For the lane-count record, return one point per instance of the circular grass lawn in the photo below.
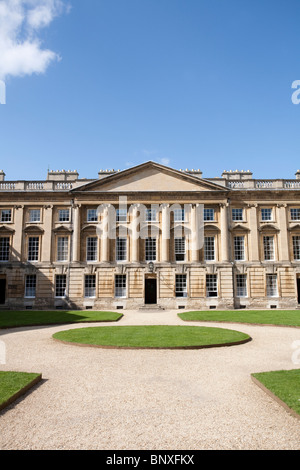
(152, 336)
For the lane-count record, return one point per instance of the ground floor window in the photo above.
(296, 247)
(180, 285)
(60, 285)
(211, 285)
(241, 285)
(120, 285)
(30, 285)
(272, 290)
(90, 285)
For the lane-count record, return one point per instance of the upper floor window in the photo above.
(62, 248)
(92, 215)
(239, 248)
(269, 250)
(179, 215)
(180, 249)
(92, 248)
(208, 214)
(295, 213)
(4, 248)
(121, 215)
(151, 215)
(150, 249)
(6, 215)
(209, 248)
(296, 247)
(266, 214)
(34, 215)
(121, 249)
(64, 215)
(237, 214)
(33, 248)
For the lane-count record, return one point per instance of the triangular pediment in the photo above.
(150, 176)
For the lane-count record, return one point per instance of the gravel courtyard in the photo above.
(93, 398)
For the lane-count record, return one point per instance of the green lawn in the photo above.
(285, 384)
(152, 336)
(11, 318)
(12, 383)
(267, 317)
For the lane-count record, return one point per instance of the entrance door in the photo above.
(150, 291)
(298, 289)
(2, 291)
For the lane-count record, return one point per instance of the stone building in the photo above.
(150, 236)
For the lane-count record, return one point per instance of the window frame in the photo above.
(60, 277)
(235, 211)
(150, 249)
(91, 249)
(269, 286)
(33, 252)
(239, 252)
(179, 249)
(121, 249)
(120, 288)
(239, 286)
(211, 285)
(181, 286)
(26, 290)
(90, 287)
(5, 249)
(61, 249)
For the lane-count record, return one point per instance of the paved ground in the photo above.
(159, 400)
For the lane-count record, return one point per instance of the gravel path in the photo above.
(94, 398)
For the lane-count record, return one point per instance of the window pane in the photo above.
(150, 249)
(209, 248)
(241, 285)
(60, 285)
(209, 214)
(120, 285)
(6, 215)
(121, 215)
(180, 249)
(266, 214)
(211, 285)
(33, 249)
(30, 285)
(92, 249)
(239, 248)
(90, 285)
(179, 215)
(92, 215)
(295, 214)
(4, 249)
(181, 286)
(237, 214)
(271, 285)
(151, 215)
(121, 249)
(62, 248)
(64, 215)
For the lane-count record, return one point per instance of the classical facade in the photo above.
(150, 236)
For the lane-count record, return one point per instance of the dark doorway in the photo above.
(150, 291)
(2, 291)
(298, 289)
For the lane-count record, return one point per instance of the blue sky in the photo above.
(188, 83)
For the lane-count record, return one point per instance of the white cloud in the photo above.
(21, 51)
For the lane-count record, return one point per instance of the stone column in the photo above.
(224, 233)
(76, 233)
(47, 238)
(165, 239)
(283, 234)
(16, 253)
(254, 239)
